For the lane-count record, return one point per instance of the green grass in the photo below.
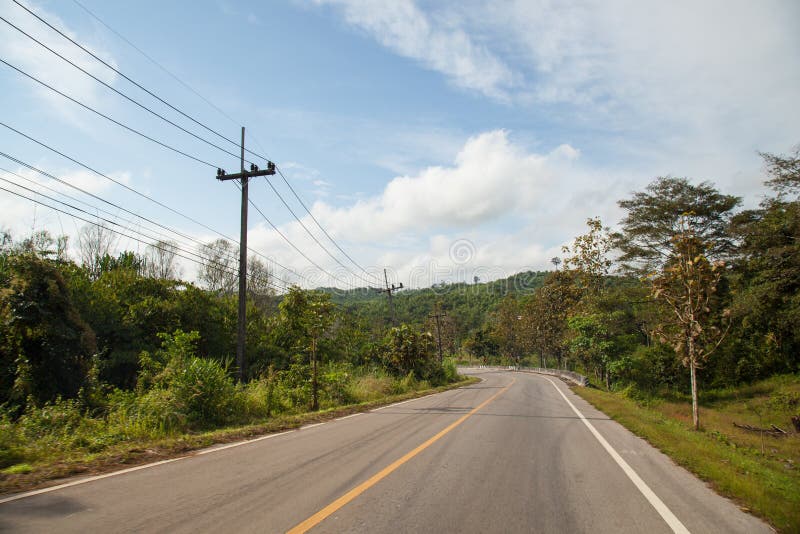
(83, 449)
(761, 473)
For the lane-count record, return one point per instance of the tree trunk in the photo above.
(695, 413)
(314, 385)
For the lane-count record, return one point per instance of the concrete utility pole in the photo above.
(438, 317)
(244, 177)
(389, 291)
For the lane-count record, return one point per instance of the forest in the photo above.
(689, 290)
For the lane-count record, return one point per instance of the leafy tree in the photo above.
(309, 315)
(655, 215)
(219, 269)
(589, 257)
(767, 303)
(46, 344)
(546, 313)
(481, 345)
(407, 350)
(687, 285)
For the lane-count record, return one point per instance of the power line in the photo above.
(296, 218)
(89, 108)
(321, 227)
(154, 245)
(289, 241)
(162, 235)
(101, 60)
(157, 64)
(123, 95)
(114, 69)
(164, 118)
(142, 195)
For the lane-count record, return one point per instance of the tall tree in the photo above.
(768, 298)
(308, 316)
(219, 268)
(95, 242)
(687, 285)
(655, 215)
(588, 257)
(160, 260)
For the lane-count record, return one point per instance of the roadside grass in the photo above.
(760, 472)
(80, 459)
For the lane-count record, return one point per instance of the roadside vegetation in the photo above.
(679, 317)
(758, 470)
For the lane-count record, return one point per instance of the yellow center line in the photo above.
(333, 507)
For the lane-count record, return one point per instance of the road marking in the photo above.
(404, 402)
(333, 507)
(137, 468)
(86, 480)
(349, 416)
(240, 443)
(666, 514)
(311, 426)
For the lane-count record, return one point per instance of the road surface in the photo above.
(516, 452)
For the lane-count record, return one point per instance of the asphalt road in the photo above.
(509, 454)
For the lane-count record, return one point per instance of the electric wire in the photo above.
(223, 267)
(166, 238)
(296, 218)
(41, 19)
(157, 64)
(289, 241)
(114, 69)
(120, 93)
(147, 197)
(101, 114)
(108, 65)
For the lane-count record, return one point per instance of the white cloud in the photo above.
(491, 178)
(410, 32)
(497, 209)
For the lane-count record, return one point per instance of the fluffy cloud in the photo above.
(497, 209)
(490, 178)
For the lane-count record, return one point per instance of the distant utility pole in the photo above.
(389, 291)
(438, 317)
(244, 177)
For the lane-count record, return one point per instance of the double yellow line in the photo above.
(333, 507)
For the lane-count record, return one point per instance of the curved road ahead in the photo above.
(509, 454)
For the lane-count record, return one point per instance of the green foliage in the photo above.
(407, 351)
(46, 346)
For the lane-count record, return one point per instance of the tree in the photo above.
(219, 269)
(259, 283)
(767, 302)
(160, 261)
(546, 314)
(687, 286)
(46, 346)
(654, 217)
(589, 257)
(95, 242)
(309, 315)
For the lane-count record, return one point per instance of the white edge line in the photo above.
(349, 416)
(162, 462)
(87, 480)
(137, 468)
(666, 514)
(240, 443)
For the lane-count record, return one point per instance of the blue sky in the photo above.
(439, 139)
